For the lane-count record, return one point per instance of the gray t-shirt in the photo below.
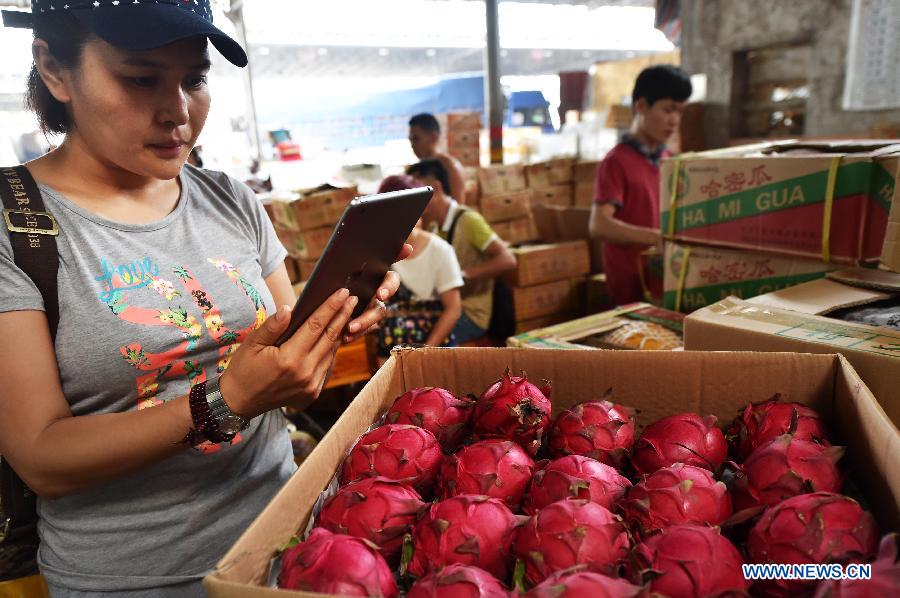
(144, 309)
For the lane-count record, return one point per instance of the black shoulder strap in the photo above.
(450, 233)
(32, 232)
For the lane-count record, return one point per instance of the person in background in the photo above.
(625, 213)
(424, 134)
(481, 253)
(428, 304)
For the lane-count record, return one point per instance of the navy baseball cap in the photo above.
(137, 24)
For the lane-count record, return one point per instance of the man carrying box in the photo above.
(424, 134)
(481, 254)
(625, 213)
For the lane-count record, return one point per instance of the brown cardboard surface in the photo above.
(546, 299)
(735, 325)
(549, 173)
(306, 245)
(772, 197)
(568, 224)
(553, 195)
(716, 383)
(585, 171)
(501, 179)
(514, 232)
(583, 196)
(293, 271)
(467, 156)
(538, 264)
(543, 322)
(305, 268)
(818, 297)
(507, 206)
(868, 278)
(713, 274)
(473, 192)
(320, 208)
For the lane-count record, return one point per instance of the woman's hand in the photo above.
(262, 377)
(376, 310)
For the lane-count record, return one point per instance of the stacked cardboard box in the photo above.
(462, 136)
(808, 205)
(506, 203)
(305, 221)
(697, 276)
(556, 224)
(551, 182)
(548, 281)
(890, 251)
(585, 175)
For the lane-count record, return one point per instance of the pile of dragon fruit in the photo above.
(448, 499)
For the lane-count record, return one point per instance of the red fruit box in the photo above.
(826, 200)
(716, 383)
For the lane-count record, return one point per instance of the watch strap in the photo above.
(202, 415)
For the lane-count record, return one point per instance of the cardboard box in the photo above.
(585, 171)
(554, 195)
(597, 297)
(518, 231)
(463, 139)
(890, 251)
(548, 298)
(538, 264)
(467, 156)
(583, 196)
(463, 121)
(549, 173)
(714, 383)
(733, 324)
(696, 276)
(773, 197)
(556, 224)
(496, 180)
(473, 193)
(543, 322)
(281, 213)
(322, 206)
(305, 245)
(293, 271)
(305, 268)
(508, 206)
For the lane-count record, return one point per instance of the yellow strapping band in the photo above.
(829, 204)
(682, 276)
(673, 194)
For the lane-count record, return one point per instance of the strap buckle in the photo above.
(31, 224)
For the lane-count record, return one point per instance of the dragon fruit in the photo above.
(336, 564)
(570, 533)
(406, 454)
(885, 579)
(783, 468)
(465, 529)
(816, 528)
(688, 561)
(674, 495)
(761, 422)
(581, 583)
(496, 468)
(437, 410)
(597, 429)
(513, 409)
(376, 509)
(682, 438)
(575, 477)
(458, 581)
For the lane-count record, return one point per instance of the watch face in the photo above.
(230, 424)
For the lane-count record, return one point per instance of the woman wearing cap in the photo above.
(148, 456)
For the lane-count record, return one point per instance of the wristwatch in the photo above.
(212, 417)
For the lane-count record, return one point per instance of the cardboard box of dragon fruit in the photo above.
(600, 473)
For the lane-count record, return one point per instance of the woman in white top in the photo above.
(429, 303)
